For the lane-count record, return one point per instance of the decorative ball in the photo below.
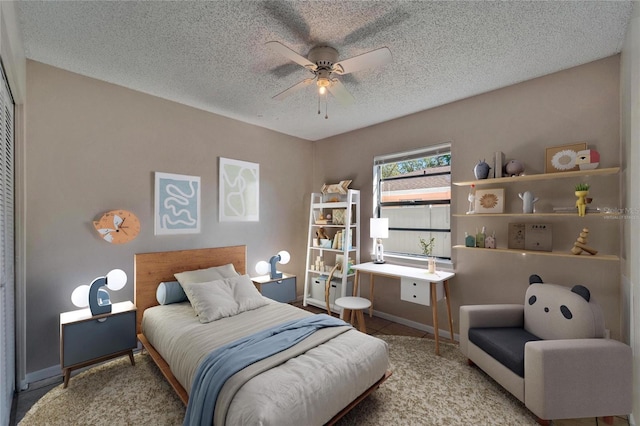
(514, 168)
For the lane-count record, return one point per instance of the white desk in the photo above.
(416, 286)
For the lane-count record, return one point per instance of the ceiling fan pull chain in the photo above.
(318, 104)
(326, 108)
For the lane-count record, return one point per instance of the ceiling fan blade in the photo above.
(291, 55)
(375, 58)
(340, 92)
(287, 15)
(286, 93)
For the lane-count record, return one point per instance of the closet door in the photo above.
(7, 281)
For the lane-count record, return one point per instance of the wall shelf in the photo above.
(541, 176)
(607, 257)
(575, 215)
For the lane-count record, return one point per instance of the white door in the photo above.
(7, 281)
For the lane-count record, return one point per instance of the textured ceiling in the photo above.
(211, 54)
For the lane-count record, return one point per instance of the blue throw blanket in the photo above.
(227, 360)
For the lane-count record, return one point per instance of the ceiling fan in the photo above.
(323, 63)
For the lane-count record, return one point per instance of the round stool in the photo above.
(355, 305)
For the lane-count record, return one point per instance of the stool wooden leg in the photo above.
(361, 325)
(133, 361)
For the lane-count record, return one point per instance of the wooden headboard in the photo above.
(150, 269)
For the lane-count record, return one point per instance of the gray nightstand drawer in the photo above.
(87, 340)
(283, 290)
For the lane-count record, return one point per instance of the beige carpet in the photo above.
(423, 390)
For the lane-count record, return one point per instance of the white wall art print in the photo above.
(177, 204)
(239, 191)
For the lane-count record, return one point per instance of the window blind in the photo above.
(7, 275)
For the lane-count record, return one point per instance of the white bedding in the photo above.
(308, 389)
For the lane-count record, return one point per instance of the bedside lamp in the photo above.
(378, 229)
(96, 297)
(264, 267)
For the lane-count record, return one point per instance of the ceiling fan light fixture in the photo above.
(323, 82)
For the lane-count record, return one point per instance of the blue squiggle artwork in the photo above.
(177, 204)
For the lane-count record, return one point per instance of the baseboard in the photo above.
(417, 325)
(47, 376)
(50, 374)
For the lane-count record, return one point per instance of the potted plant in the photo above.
(581, 191)
(427, 249)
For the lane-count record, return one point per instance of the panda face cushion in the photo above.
(557, 312)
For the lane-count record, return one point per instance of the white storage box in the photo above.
(317, 288)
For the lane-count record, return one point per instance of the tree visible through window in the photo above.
(413, 190)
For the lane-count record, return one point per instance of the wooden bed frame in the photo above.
(150, 269)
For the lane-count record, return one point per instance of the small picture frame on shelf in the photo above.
(489, 200)
(517, 233)
(563, 158)
(538, 236)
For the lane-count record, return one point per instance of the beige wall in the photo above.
(630, 136)
(577, 105)
(93, 146)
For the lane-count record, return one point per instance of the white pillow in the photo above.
(211, 300)
(206, 275)
(245, 293)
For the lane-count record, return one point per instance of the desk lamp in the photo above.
(379, 229)
(96, 297)
(263, 267)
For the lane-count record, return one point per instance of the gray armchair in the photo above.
(551, 353)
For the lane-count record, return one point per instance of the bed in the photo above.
(317, 381)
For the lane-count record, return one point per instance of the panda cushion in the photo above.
(557, 312)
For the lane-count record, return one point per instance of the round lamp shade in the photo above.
(262, 267)
(285, 257)
(80, 296)
(116, 279)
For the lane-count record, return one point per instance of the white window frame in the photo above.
(440, 149)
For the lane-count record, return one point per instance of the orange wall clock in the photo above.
(118, 226)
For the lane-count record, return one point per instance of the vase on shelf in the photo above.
(581, 191)
(581, 203)
(432, 265)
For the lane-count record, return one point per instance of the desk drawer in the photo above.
(415, 291)
(419, 291)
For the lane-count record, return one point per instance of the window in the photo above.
(413, 190)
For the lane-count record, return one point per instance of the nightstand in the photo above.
(86, 339)
(280, 289)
